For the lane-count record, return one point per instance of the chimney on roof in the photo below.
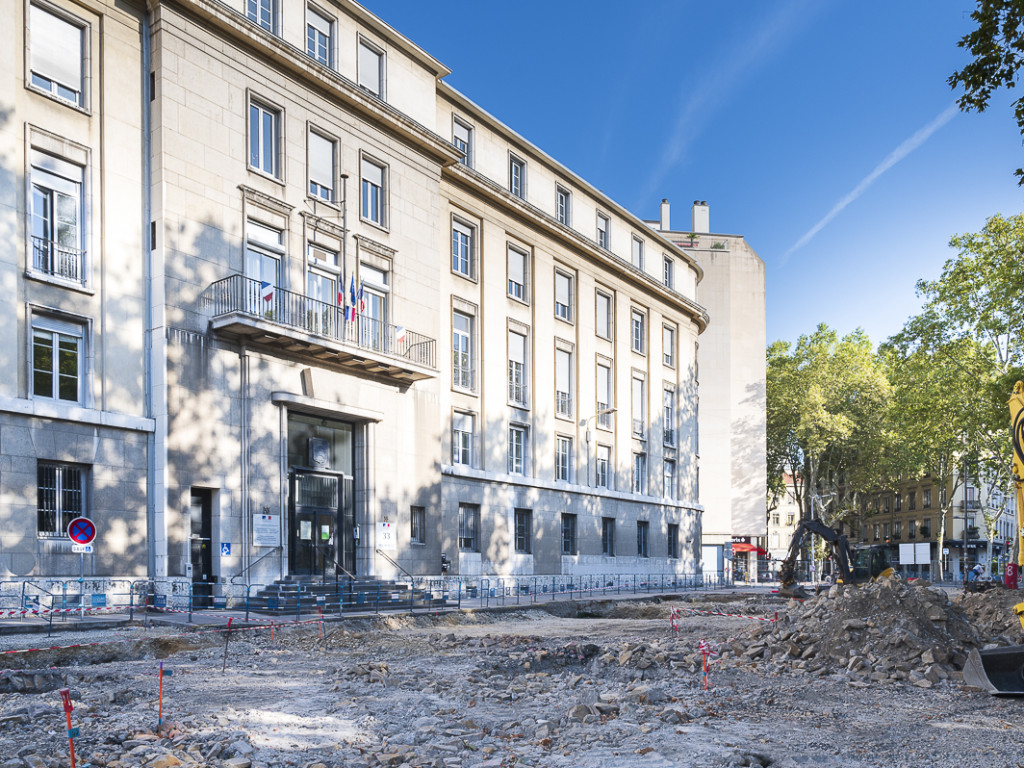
(664, 225)
(701, 217)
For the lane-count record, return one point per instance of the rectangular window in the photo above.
(568, 534)
(668, 273)
(897, 529)
(608, 536)
(643, 534)
(912, 500)
(263, 13)
(898, 502)
(321, 167)
(603, 326)
(670, 479)
(516, 368)
(563, 296)
(56, 55)
(603, 467)
(56, 218)
(322, 309)
(462, 351)
(463, 429)
(264, 249)
(604, 396)
(563, 383)
(926, 528)
(372, 176)
(602, 231)
(517, 450)
(639, 403)
(669, 416)
(371, 69)
(563, 206)
(58, 358)
(516, 274)
(524, 531)
(639, 484)
(264, 138)
(563, 459)
(60, 497)
(638, 253)
(462, 248)
(912, 529)
(417, 525)
(668, 346)
(638, 335)
(469, 527)
(926, 498)
(462, 138)
(319, 37)
(517, 176)
(673, 541)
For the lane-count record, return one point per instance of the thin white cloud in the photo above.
(904, 149)
(702, 97)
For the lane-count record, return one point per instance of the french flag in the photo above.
(400, 335)
(267, 291)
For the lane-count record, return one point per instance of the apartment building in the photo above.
(332, 317)
(76, 431)
(731, 366)
(941, 530)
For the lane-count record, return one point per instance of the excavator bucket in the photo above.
(794, 591)
(998, 671)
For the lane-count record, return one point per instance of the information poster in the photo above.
(386, 539)
(266, 530)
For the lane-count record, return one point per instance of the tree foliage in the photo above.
(827, 403)
(997, 45)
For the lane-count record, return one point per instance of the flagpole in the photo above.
(344, 234)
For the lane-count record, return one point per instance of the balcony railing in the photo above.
(516, 392)
(604, 416)
(971, 504)
(58, 260)
(639, 429)
(462, 377)
(563, 403)
(241, 295)
(670, 437)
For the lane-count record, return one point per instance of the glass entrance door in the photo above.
(315, 502)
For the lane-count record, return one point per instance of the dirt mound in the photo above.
(888, 631)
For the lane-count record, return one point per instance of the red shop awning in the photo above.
(741, 547)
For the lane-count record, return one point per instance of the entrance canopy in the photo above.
(741, 547)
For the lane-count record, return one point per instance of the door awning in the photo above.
(741, 547)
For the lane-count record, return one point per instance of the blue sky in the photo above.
(824, 132)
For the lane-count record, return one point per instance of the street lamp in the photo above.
(585, 423)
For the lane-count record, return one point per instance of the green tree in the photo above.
(997, 45)
(827, 403)
(954, 364)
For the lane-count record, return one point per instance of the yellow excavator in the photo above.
(852, 566)
(1000, 671)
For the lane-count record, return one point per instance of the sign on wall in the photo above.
(266, 530)
(386, 538)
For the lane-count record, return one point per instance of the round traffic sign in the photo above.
(82, 530)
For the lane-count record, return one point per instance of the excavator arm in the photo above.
(838, 543)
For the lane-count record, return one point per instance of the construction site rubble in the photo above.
(854, 677)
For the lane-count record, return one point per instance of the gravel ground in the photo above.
(581, 685)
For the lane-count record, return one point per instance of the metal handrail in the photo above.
(395, 563)
(250, 565)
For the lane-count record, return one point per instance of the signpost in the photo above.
(82, 532)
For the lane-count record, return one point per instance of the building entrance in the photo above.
(321, 540)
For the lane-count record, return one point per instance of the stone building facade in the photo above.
(337, 319)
